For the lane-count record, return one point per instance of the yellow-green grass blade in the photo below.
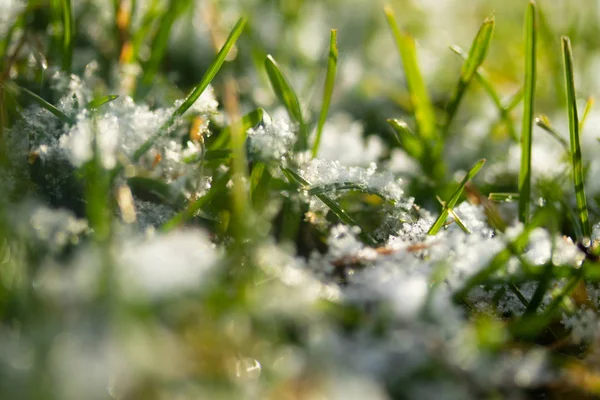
(335, 208)
(578, 174)
(407, 139)
(328, 89)
(198, 90)
(489, 89)
(586, 112)
(100, 101)
(284, 92)
(544, 122)
(475, 58)
(439, 223)
(421, 103)
(528, 113)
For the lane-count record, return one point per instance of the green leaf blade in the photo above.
(439, 223)
(575, 146)
(421, 103)
(528, 113)
(328, 89)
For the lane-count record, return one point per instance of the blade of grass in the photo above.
(528, 111)
(100, 101)
(407, 139)
(543, 122)
(422, 106)
(489, 89)
(296, 179)
(198, 90)
(578, 174)
(475, 58)
(506, 197)
(586, 112)
(68, 34)
(44, 104)
(439, 223)
(249, 120)
(328, 89)
(284, 92)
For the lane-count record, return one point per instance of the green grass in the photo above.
(314, 260)
(528, 113)
(575, 147)
(447, 207)
(327, 90)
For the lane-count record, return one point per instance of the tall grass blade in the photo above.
(582, 209)
(439, 223)
(422, 106)
(198, 90)
(328, 90)
(288, 97)
(528, 110)
(475, 58)
(68, 34)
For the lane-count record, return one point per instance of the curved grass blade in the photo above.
(328, 90)
(578, 180)
(528, 111)
(475, 58)
(407, 139)
(198, 90)
(68, 34)
(288, 97)
(439, 223)
(44, 104)
(249, 120)
(100, 101)
(422, 106)
(295, 178)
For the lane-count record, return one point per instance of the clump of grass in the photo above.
(213, 225)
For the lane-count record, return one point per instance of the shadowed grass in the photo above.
(578, 175)
(328, 89)
(528, 113)
(439, 223)
(422, 106)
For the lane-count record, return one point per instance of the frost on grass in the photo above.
(274, 139)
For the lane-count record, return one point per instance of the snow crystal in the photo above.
(272, 140)
(583, 323)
